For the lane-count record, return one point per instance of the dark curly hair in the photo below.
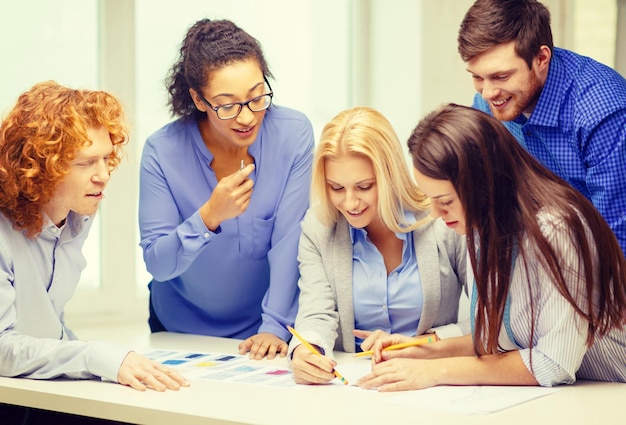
(39, 139)
(208, 45)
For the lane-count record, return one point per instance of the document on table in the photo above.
(462, 400)
(239, 368)
(223, 367)
(469, 400)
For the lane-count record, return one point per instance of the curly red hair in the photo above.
(40, 137)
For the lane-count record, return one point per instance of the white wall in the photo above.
(326, 55)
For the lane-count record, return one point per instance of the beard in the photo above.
(525, 101)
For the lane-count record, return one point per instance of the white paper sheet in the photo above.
(469, 400)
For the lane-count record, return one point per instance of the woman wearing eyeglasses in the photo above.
(223, 190)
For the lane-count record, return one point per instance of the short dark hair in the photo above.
(491, 22)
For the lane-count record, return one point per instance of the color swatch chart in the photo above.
(222, 367)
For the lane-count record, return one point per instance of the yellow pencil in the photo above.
(413, 343)
(314, 351)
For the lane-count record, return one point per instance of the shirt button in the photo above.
(394, 274)
(207, 235)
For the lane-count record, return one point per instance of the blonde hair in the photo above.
(365, 132)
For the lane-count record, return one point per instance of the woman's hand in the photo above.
(229, 199)
(263, 344)
(410, 374)
(422, 351)
(141, 373)
(399, 375)
(309, 368)
(370, 338)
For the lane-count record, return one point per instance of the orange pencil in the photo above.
(314, 351)
(413, 343)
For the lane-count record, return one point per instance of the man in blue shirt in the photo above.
(58, 147)
(568, 110)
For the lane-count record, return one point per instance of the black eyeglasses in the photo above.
(232, 110)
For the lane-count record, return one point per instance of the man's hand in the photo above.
(141, 373)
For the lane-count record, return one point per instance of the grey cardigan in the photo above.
(326, 311)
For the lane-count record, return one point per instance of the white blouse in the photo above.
(558, 353)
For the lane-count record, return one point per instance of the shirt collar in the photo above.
(551, 96)
(74, 223)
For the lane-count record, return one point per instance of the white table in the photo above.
(212, 402)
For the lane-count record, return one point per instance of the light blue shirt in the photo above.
(37, 278)
(389, 302)
(578, 130)
(241, 279)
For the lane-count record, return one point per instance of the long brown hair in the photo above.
(502, 189)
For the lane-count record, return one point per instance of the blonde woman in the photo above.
(371, 261)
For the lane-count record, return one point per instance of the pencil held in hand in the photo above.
(426, 339)
(314, 351)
